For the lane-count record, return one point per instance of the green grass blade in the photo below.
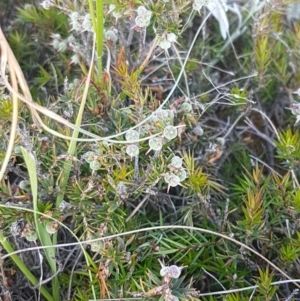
(8, 248)
(43, 235)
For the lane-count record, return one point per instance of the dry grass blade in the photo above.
(8, 58)
(5, 51)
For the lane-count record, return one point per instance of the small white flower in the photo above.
(74, 16)
(295, 109)
(75, 59)
(171, 37)
(176, 162)
(181, 174)
(24, 185)
(95, 165)
(165, 114)
(132, 135)
(89, 156)
(47, 4)
(56, 36)
(71, 39)
(132, 150)
(87, 23)
(141, 22)
(170, 132)
(143, 11)
(143, 17)
(197, 130)
(55, 44)
(62, 46)
(164, 271)
(111, 35)
(17, 150)
(172, 179)
(164, 44)
(186, 107)
(112, 7)
(155, 143)
(76, 26)
(174, 271)
(116, 14)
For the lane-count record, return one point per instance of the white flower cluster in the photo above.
(172, 271)
(132, 149)
(161, 118)
(169, 133)
(176, 172)
(169, 273)
(92, 158)
(143, 17)
(167, 41)
(61, 45)
(58, 43)
(81, 24)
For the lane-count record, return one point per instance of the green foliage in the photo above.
(289, 253)
(289, 147)
(29, 37)
(215, 150)
(264, 284)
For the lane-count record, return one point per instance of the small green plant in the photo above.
(264, 285)
(150, 150)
